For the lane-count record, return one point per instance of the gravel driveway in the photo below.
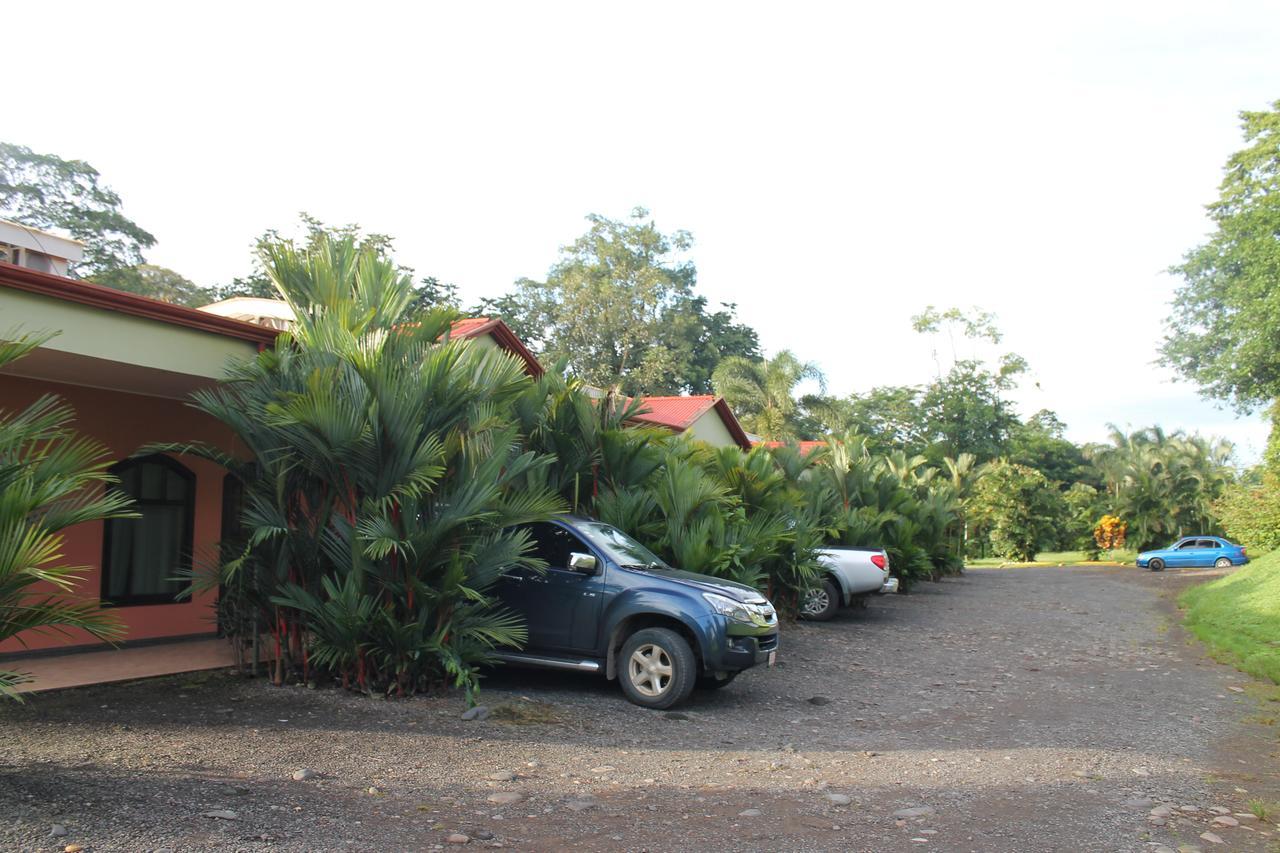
(1015, 710)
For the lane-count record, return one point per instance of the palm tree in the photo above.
(762, 393)
(386, 483)
(50, 479)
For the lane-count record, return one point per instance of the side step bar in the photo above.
(549, 663)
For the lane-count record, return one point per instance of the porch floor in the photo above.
(54, 672)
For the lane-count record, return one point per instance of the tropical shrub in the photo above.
(1251, 513)
(50, 479)
(1109, 534)
(383, 480)
(1017, 506)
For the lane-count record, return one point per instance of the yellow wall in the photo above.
(119, 337)
(711, 429)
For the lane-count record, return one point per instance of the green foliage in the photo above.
(1250, 513)
(1238, 616)
(1017, 507)
(45, 191)
(50, 479)
(1225, 320)
(1162, 484)
(762, 393)
(965, 412)
(156, 283)
(385, 477)
(1039, 442)
(620, 310)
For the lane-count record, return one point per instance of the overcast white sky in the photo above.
(840, 166)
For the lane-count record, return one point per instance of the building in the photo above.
(704, 416)
(127, 364)
(34, 249)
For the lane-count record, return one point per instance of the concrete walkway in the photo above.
(54, 672)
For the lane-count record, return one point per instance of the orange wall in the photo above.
(124, 422)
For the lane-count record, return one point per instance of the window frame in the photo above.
(186, 548)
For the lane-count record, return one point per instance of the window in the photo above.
(141, 556)
(554, 544)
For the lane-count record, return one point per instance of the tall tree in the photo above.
(762, 393)
(620, 310)
(45, 191)
(157, 283)
(1224, 331)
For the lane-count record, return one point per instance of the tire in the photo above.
(822, 603)
(710, 682)
(1156, 565)
(641, 662)
(1222, 563)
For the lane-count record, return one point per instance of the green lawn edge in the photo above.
(1237, 617)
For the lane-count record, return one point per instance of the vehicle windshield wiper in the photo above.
(644, 567)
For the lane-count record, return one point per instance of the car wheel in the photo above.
(822, 602)
(711, 682)
(657, 668)
(1156, 565)
(1222, 563)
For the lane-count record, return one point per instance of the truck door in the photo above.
(561, 606)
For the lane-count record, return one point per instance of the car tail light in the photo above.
(878, 561)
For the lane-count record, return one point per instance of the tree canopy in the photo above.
(48, 192)
(619, 308)
(1224, 330)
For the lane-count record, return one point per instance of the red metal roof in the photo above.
(474, 327)
(678, 414)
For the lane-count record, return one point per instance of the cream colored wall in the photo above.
(711, 429)
(120, 337)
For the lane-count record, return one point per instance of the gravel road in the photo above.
(1014, 710)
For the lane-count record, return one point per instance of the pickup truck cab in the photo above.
(607, 604)
(850, 575)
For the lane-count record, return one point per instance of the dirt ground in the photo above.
(1006, 710)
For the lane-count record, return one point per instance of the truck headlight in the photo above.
(729, 608)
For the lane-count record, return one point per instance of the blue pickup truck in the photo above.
(607, 604)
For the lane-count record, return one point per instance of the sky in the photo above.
(840, 166)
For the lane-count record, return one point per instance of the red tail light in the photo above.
(878, 561)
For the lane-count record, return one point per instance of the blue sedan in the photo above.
(1194, 551)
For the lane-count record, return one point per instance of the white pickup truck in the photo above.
(852, 574)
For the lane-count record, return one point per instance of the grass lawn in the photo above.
(1055, 558)
(1238, 617)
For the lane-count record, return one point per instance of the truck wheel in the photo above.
(822, 602)
(1156, 565)
(710, 682)
(657, 668)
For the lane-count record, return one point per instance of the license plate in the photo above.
(773, 656)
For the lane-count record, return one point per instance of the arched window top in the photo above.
(154, 479)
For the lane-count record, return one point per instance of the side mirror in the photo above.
(585, 563)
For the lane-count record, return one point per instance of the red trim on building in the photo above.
(110, 299)
(475, 327)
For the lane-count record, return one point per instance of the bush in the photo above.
(1250, 514)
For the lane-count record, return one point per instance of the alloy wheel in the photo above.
(650, 670)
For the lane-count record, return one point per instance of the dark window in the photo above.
(141, 557)
(1209, 543)
(554, 544)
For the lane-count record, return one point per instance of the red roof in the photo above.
(475, 327)
(678, 414)
(122, 302)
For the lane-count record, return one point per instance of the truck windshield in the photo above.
(620, 547)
